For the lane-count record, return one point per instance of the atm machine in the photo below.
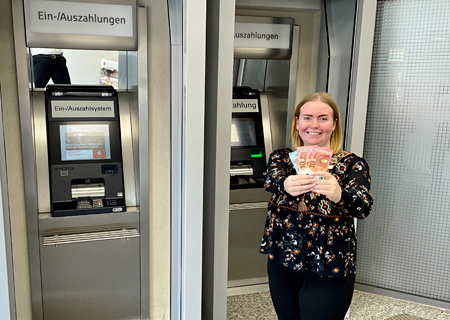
(248, 154)
(85, 153)
(89, 241)
(250, 147)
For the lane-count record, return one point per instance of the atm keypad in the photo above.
(84, 204)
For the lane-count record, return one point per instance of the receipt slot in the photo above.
(248, 156)
(85, 154)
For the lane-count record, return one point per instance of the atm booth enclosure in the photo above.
(84, 149)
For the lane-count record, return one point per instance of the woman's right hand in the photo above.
(298, 184)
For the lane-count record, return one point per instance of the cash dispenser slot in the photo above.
(241, 170)
(90, 190)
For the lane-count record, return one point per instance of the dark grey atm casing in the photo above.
(251, 156)
(65, 174)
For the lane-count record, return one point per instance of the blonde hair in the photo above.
(336, 138)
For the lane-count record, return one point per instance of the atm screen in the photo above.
(243, 132)
(84, 142)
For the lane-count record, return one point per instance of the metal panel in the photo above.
(127, 150)
(264, 53)
(219, 79)
(26, 128)
(72, 41)
(246, 265)
(243, 195)
(340, 26)
(252, 73)
(7, 292)
(144, 205)
(90, 266)
(359, 90)
(91, 280)
(292, 84)
(40, 134)
(176, 81)
(266, 124)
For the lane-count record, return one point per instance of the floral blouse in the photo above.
(309, 231)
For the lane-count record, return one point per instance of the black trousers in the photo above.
(303, 295)
(47, 67)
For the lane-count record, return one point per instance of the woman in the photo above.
(309, 233)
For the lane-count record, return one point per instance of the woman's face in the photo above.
(316, 123)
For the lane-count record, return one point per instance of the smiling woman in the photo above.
(309, 234)
(315, 124)
(326, 112)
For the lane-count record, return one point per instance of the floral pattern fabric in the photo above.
(309, 231)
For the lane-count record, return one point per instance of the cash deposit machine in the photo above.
(251, 143)
(85, 153)
(248, 154)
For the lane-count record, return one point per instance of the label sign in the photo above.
(262, 35)
(82, 109)
(245, 105)
(81, 18)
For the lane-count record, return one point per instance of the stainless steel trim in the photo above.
(40, 136)
(127, 149)
(144, 206)
(88, 237)
(264, 53)
(241, 72)
(6, 219)
(28, 156)
(266, 124)
(292, 83)
(241, 170)
(248, 206)
(75, 41)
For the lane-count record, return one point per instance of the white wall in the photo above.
(84, 65)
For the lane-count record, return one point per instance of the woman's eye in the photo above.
(323, 119)
(306, 118)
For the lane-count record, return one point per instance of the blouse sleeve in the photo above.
(279, 167)
(356, 199)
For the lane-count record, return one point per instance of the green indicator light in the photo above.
(257, 155)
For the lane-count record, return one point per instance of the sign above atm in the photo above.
(263, 38)
(81, 25)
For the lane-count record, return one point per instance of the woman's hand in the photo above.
(298, 184)
(327, 185)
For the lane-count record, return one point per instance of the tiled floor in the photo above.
(365, 306)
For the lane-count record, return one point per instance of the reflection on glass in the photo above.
(49, 64)
(243, 133)
(85, 67)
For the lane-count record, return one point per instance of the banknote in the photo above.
(310, 159)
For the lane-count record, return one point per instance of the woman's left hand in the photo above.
(327, 185)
